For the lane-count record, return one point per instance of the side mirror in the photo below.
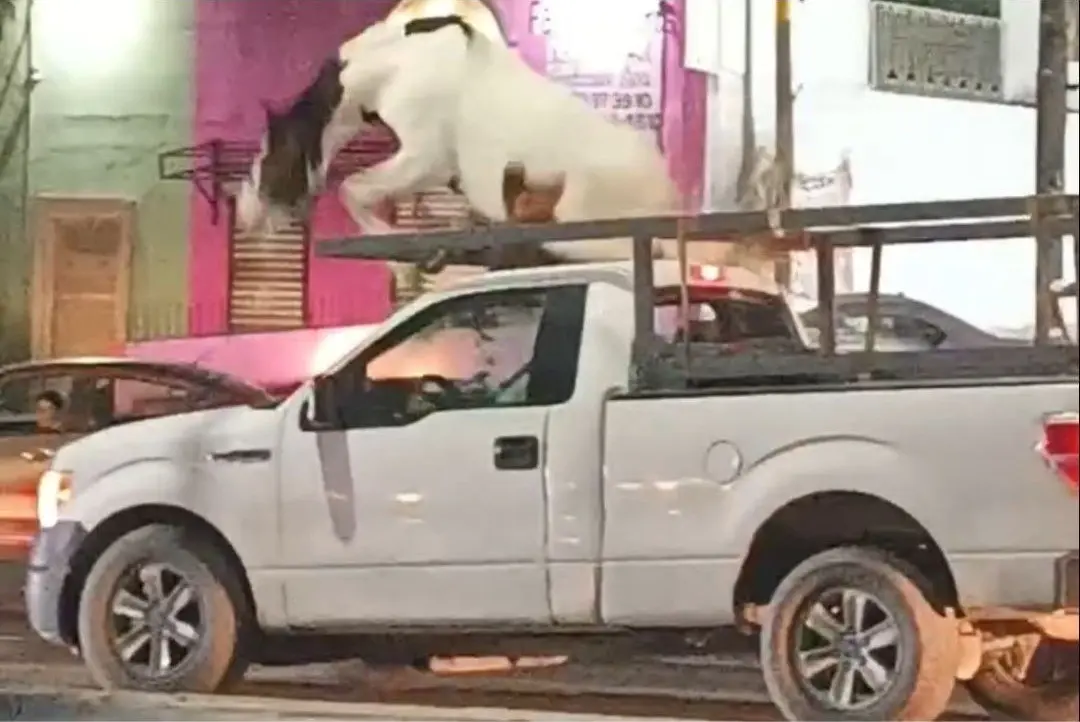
(322, 410)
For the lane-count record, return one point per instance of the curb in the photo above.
(48, 703)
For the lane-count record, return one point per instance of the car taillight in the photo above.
(1060, 447)
(707, 274)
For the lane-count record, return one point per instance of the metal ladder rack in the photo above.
(687, 365)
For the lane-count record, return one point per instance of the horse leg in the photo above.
(361, 205)
(405, 173)
(419, 163)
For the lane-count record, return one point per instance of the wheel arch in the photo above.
(796, 531)
(103, 534)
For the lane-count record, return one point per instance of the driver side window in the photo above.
(490, 341)
(488, 350)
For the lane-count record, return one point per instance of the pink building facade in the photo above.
(250, 52)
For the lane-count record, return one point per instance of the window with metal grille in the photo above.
(268, 280)
(433, 210)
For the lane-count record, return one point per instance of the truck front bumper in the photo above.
(47, 571)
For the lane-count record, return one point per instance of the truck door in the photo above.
(432, 504)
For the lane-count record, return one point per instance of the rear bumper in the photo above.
(1038, 581)
(1036, 589)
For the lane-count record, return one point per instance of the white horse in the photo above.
(464, 109)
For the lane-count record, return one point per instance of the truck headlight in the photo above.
(54, 490)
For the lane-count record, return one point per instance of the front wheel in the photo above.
(850, 636)
(1036, 679)
(161, 612)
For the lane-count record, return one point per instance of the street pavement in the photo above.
(35, 672)
(43, 682)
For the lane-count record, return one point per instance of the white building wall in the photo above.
(901, 147)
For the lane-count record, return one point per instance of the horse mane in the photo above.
(311, 111)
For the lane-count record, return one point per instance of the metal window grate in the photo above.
(268, 280)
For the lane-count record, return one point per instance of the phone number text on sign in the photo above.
(632, 97)
(637, 109)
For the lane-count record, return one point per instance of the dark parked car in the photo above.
(44, 404)
(904, 324)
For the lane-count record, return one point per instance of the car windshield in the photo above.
(220, 384)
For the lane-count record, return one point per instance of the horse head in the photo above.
(288, 169)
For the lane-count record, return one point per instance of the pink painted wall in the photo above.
(267, 50)
(685, 105)
(248, 52)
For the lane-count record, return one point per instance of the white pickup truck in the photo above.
(490, 473)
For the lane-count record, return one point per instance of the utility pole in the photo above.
(1051, 123)
(784, 155)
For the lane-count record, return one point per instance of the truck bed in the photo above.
(705, 472)
(677, 367)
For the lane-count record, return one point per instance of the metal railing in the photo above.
(826, 229)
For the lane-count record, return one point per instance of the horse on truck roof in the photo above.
(468, 113)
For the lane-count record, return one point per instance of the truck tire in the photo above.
(161, 612)
(850, 636)
(1049, 693)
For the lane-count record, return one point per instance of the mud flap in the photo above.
(1065, 581)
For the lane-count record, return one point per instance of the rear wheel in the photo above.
(850, 636)
(1036, 679)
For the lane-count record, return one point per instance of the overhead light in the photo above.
(89, 39)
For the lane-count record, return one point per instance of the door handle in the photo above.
(517, 453)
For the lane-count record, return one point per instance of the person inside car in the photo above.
(48, 407)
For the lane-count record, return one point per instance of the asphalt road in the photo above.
(657, 689)
(690, 688)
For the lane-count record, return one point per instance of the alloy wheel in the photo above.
(847, 649)
(156, 621)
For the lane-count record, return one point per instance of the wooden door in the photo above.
(82, 275)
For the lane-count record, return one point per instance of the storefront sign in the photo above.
(612, 59)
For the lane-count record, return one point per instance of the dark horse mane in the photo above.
(294, 136)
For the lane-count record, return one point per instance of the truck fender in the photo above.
(822, 465)
(153, 482)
